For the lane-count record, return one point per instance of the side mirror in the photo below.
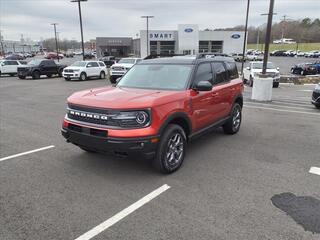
(203, 86)
(248, 68)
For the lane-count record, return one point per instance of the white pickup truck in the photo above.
(254, 68)
(118, 69)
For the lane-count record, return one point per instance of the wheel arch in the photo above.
(179, 118)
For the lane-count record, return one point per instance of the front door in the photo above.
(203, 102)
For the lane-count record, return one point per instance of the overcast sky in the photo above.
(121, 18)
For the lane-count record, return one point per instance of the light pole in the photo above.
(81, 29)
(245, 38)
(55, 36)
(268, 37)
(147, 17)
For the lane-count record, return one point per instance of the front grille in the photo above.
(118, 68)
(92, 111)
(20, 69)
(68, 70)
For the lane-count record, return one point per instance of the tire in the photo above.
(67, 79)
(83, 76)
(87, 150)
(276, 84)
(49, 75)
(171, 149)
(251, 81)
(12, 74)
(112, 80)
(36, 75)
(317, 106)
(60, 72)
(22, 77)
(232, 126)
(102, 75)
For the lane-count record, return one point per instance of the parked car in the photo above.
(69, 54)
(89, 55)
(317, 66)
(53, 55)
(15, 56)
(300, 54)
(10, 66)
(316, 96)
(238, 57)
(278, 53)
(289, 53)
(255, 68)
(118, 69)
(312, 54)
(304, 69)
(108, 60)
(83, 70)
(253, 57)
(156, 108)
(38, 67)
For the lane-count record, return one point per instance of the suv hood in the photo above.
(268, 70)
(126, 65)
(123, 98)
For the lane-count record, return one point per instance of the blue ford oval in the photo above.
(235, 36)
(188, 30)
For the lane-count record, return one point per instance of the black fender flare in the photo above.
(171, 118)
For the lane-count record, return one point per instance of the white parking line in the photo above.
(314, 170)
(125, 212)
(282, 110)
(278, 105)
(25, 153)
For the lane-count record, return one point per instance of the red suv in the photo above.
(156, 108)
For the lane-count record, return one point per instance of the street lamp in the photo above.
(268, 37)
(80, 17)
(55, 36)
(245, 37)
(147, 17)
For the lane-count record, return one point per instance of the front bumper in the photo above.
(99, 141)
(71, 75)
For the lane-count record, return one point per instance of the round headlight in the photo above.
(142, 117)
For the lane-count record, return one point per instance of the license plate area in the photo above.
(89, 131)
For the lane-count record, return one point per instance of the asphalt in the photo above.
(224, 189)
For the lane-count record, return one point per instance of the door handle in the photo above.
(214, 94)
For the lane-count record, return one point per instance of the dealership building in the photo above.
(188, 39)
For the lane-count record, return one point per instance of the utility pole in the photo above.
(268, 37)
(147, 17)
(1, 41)
(55, 36)
(245, 38)
(81, 29)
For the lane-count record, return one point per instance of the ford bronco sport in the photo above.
(156, 108)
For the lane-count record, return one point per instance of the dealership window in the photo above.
(216, 46)
(167, 47)
(153, 47)
(203, 46)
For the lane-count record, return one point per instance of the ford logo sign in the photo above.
(188, 30)
(235, 36)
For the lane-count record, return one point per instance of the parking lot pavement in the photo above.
(223, 190)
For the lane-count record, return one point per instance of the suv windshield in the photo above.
(79, 64)
(259, 65)
(35, 62)
(157, 76)
(127, 60)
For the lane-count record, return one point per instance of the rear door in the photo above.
(202, 101)
(13, 66)
(222, 89)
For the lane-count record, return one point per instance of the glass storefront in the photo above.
(210, 46)
(162, 47)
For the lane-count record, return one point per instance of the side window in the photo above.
(101, 64)
(44, 63)
(220, 72)
(6, 63)
(232, 70)
(94, 64)
(14, 63)
(138, 60)
(204, 73)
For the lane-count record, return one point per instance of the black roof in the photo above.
(186, 60)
